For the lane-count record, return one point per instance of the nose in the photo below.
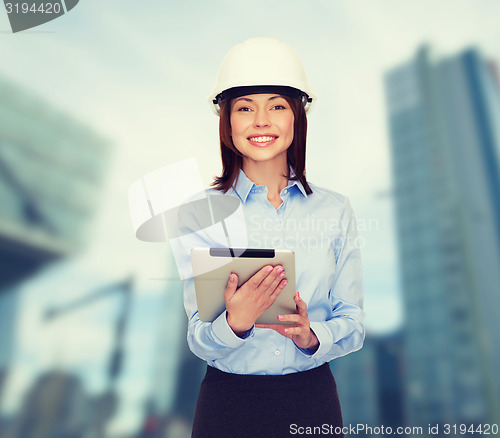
(261, 118)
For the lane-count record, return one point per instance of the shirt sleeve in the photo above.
(344, 332)
(209, 340)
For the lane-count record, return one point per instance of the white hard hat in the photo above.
(261, 65)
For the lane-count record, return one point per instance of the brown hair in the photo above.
(232, 160)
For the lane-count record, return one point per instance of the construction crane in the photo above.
(105, 404)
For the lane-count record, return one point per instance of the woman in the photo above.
(272, 380)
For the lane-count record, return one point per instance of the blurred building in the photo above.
(8, 310)
(356, 378)
(444, 119)
(56, 406)
(51, 170)
(174, 418)
(389, 356)
(177, 372)
(3, 381)
(369, 382)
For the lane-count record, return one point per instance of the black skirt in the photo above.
(249, 406)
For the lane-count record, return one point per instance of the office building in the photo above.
(357, 386)
(51, 171)
(444, 120)
(177, 372)
(8, 310)
(369, 382)
(56, 405)
(389, 366)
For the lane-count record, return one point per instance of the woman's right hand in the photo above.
(253, 298)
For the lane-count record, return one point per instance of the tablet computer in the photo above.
(213, 266)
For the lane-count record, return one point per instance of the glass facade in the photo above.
(51, 170)
(443, 116)
(355, 375)
(369, 382)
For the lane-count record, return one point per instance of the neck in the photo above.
(269, 174)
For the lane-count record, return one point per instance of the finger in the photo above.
(267, 326)
(271, 278)
(301, 305)
(262, 274)
(294, 317)
(231, 286)
(271, 326)
(277, 290)
(276, 277)
(276, 327)
(294, 331)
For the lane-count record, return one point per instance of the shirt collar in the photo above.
(244, 185)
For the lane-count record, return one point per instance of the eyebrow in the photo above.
(246, 99)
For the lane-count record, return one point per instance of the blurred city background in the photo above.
(407, 124)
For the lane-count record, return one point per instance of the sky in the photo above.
(139, 73)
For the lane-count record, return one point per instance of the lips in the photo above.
(262, 140)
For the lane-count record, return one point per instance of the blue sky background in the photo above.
(139, 73)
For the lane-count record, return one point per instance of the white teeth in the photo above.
(261, 139)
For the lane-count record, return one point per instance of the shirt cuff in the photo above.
(222, 330)
(324, 338)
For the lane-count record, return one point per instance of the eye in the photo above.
(279, 107)
(243, 109)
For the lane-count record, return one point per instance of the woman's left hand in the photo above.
(300, 332)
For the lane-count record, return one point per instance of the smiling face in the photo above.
(262, 126)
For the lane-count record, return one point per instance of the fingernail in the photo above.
(231, 278)
(287, 330)
(300, 299)
(279, 269)
(282, 275)
(280, 317)
(285, 282)
(269, 268)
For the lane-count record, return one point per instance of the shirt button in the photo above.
(277, 353)
(285, 191)
(276, 239)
